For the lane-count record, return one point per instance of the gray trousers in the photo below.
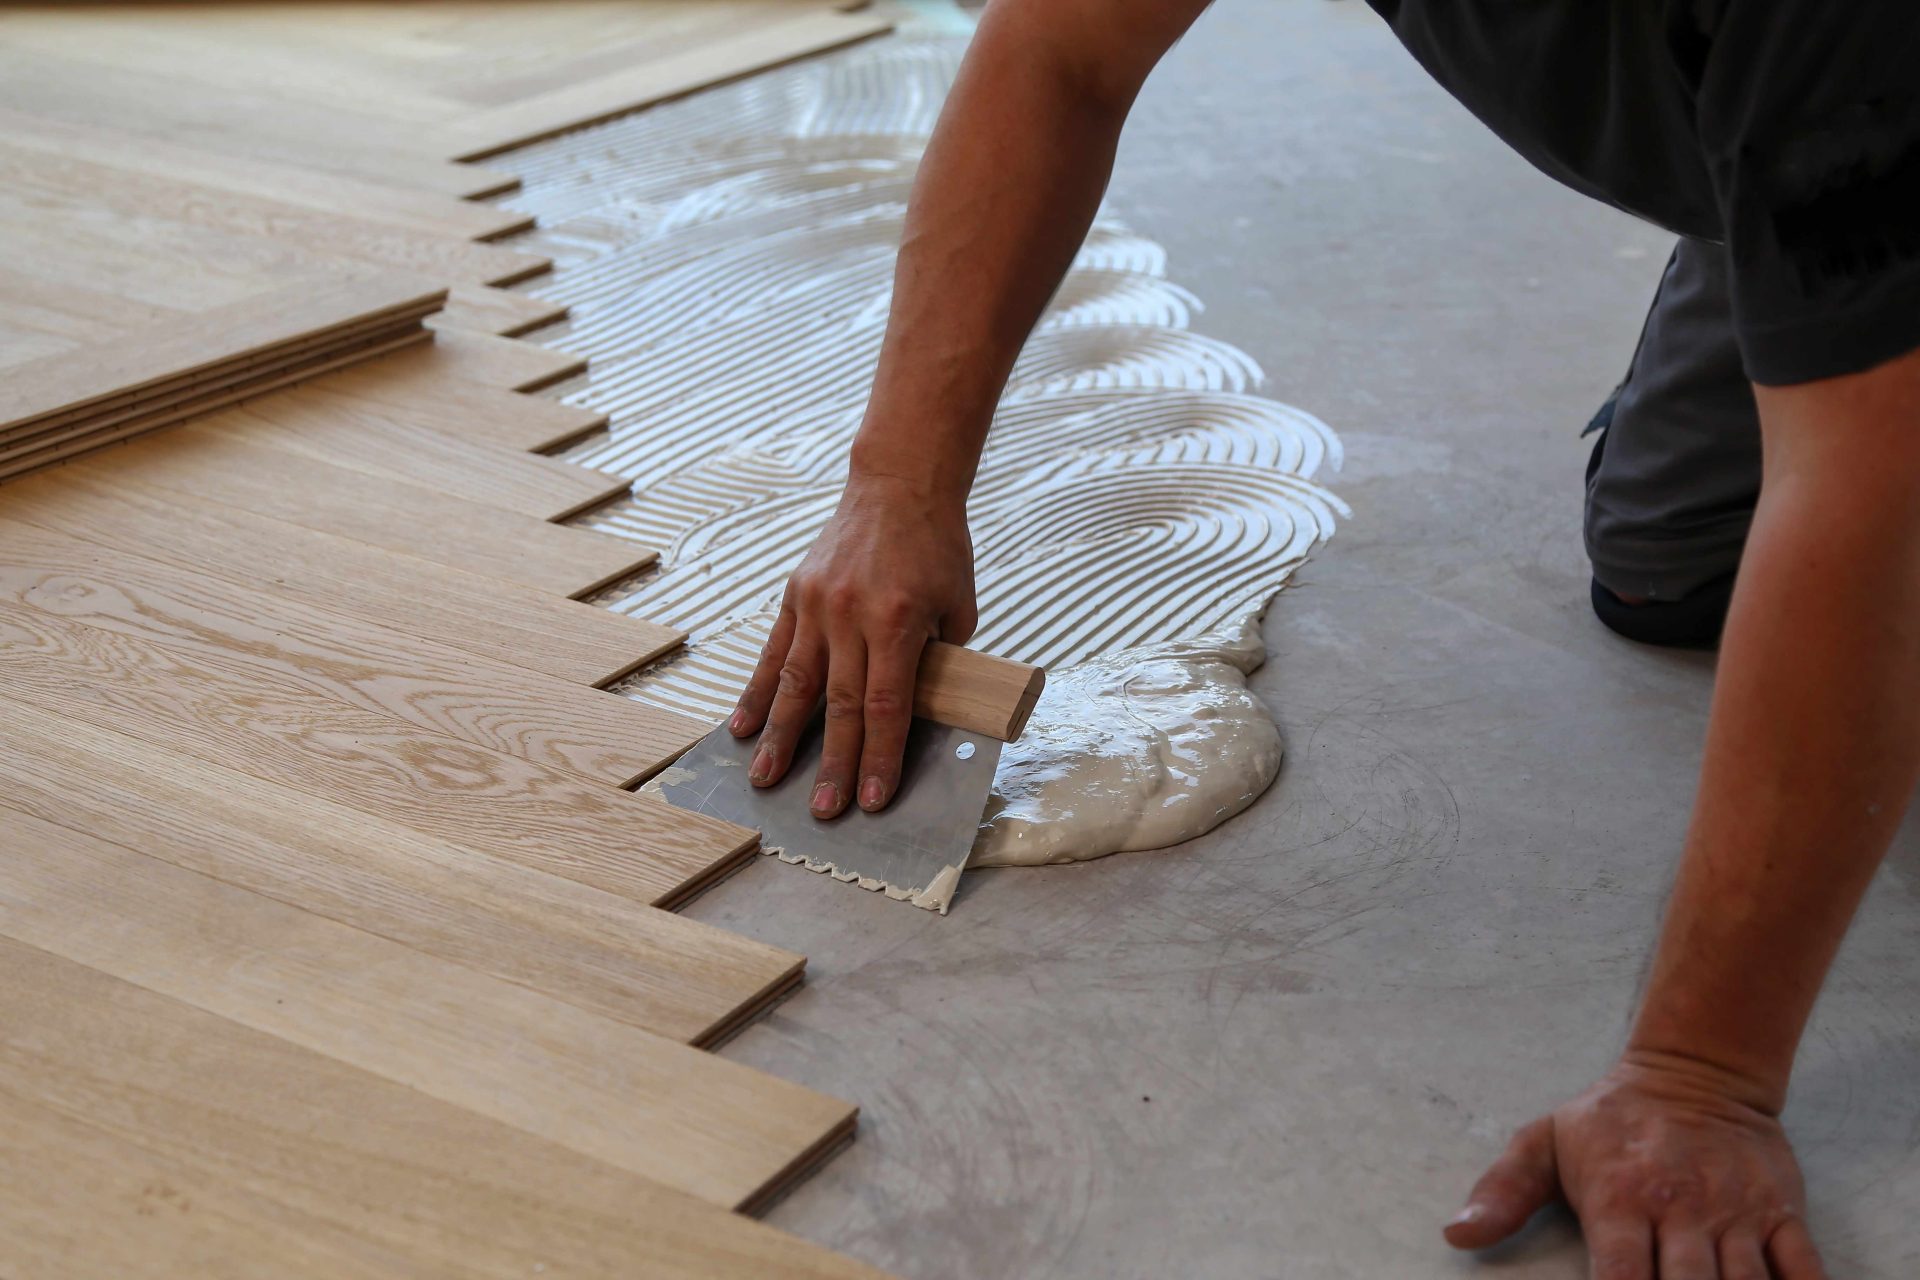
(1672, 487)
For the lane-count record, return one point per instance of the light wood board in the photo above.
(333, 941)
(149, 1137)
(233, 471)
(599, 951)
(687, 1119)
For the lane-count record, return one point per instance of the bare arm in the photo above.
(1675, 1161)
(1009, 184)
(1814, 742)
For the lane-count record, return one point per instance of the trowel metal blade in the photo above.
(914, 849)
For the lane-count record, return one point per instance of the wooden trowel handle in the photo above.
(976, 691)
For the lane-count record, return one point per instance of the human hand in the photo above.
(891, 570)
(1677, 1170)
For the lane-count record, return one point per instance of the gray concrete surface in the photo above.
(1285, 1050)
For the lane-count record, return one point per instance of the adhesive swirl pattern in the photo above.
(727, 260)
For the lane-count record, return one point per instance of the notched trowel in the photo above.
(965, 706)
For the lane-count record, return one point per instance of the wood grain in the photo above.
(976, 691)
(487, 617)
(496, 311)
(278, 730)
(65, 383)
(391, 205)
(498, 362)
(332, 943)
(237, 123)
(382, 442)
(429, 388)
(162, 408)
(479, 538)
(752, 47)
(147, 1137)
(233, 369)
(70, 442)
(595, 950)
(61, 186)
(594, 735)
(689, 1120)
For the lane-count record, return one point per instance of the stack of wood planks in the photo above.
(153, 375)
(333, 941)
(200, 202)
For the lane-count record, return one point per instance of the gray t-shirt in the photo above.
(1789, 130)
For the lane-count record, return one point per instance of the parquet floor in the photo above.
(333, 940)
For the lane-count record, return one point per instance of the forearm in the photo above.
(1010, 183)
(1812, 750)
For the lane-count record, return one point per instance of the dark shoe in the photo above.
(1692, 622)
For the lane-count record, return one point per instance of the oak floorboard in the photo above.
(497, 362)
(425, 385)
(384, 442)
(276, 728)
(392, 514)
(689, 1120)
(396, 206)
(598, 951)
(590, 733)
(147, 1137)
(487, 617)
(117, 373)
(500, 312)
(75, 191)
(752, 46)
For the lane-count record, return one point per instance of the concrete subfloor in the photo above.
(1286, 1049)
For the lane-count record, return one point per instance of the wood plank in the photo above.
(90, 314)
(426, 386)
(390, 205)
(499, 362)
(563, 559)
(45, 445)
(145, 39)
(686, 1119)
(243, 362)
(205, 1147)
(73, 442)
(234, 123)
(161, 260)
(67, 188)
(589, 733)
(598, 951)
(383, 442)
(487, 617)
(496, 311)
(77, 1201)
(753, 47)
(95, 258)
(466, 181)
(96, 376)
(21, 339)
(237, 717)
(244, 374)
(568, 44)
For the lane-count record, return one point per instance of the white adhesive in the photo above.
(727, 260)
(1136, 750)
(659, 782)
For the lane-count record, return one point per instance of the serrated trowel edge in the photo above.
(936, 896)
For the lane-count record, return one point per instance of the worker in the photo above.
(1780, 140)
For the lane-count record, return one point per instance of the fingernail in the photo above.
(872, 793)
(762, 765)
(1472, 1213)
(739, 722)
(825, 796)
